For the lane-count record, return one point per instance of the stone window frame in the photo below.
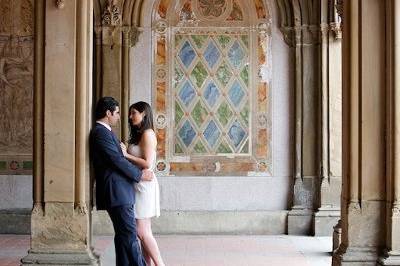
(164, 22)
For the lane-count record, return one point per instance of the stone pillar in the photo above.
(306, 129)
(60, 221)
(330, 184)
(391, 254)
(365, 101)
(112, 55)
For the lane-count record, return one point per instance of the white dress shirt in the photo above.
(104, 124)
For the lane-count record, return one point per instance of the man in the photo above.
(115, 177)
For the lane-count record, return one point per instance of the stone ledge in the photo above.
(207, 222)
(67, 257)
(173, 222)
(15, 221)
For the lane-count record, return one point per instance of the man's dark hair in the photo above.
(104, 104)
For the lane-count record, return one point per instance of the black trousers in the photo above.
(127, 248)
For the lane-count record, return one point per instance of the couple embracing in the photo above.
(126, 186)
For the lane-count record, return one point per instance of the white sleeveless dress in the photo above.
(147, 193)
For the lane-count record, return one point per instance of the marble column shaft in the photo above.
(391, 254)
(330, 146)
(365, 102)
(60, 227)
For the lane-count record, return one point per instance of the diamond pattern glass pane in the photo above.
(236, 54)
(224, 148)
(178, 113)
(187, 54)
(199, 40)
(199, 74)
(236, 134)
(187, 133)
(236, 93)
(187, 93)
(245, 75)
(245, 113)
(199, 114)
(211, 109)
(223, 40)
(224, 113)
(211, 93)
(199, 148)
(212, 133)
(211, 55)
(224, 74)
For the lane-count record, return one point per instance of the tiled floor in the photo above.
(206, 250)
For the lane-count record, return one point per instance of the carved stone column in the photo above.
(391, 255)
(365, 102)
(112, 56)
(306, 172)
(60, 227)
(331, 133)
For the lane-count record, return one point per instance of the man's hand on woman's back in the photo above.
(147, 175)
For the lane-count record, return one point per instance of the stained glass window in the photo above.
(212, 97)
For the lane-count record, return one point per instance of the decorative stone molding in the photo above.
(161, 121)
(161, 26)
(213, 9)
(134, 34)
(37, 208)
(111, 14)
(339, 9)
(60, 4)
(81, 208)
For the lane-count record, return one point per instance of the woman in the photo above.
(142, 152)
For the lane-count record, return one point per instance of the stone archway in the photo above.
(311, 28)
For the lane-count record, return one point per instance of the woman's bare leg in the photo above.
(148, 241)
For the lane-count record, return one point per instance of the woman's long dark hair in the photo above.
(136, 131)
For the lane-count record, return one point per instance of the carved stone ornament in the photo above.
(339, 8)
(112, 14)
(161, 121)
(212, 8)
(134, 35)
(262, 166)
(81, 208)
(161, 73)
(60, 4)
(337, 30)
(162, 167)
(262, 120)
(161, 26)
(264, 28)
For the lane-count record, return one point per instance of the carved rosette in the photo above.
(161, 121)
(162, 167)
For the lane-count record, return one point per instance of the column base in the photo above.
(354, 256)
(391, 258)
(337, 236)
(47, 258)
(300, 221)
(325, 220)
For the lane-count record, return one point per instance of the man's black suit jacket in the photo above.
(114, 174)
